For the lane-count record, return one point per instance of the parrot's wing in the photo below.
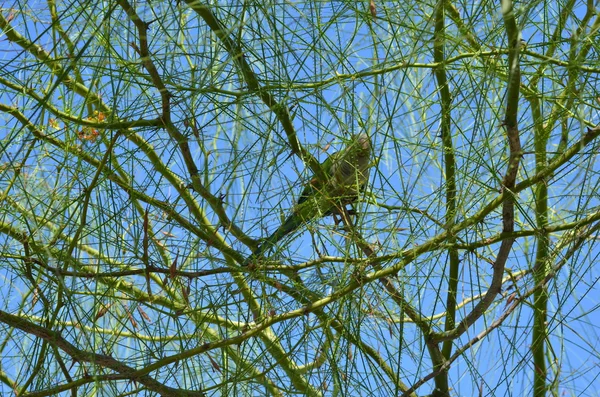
(315, 185)
(349, 171)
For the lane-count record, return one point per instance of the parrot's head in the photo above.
(363, 141)
(361, 144)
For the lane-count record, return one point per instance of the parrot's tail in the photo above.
(290, 224)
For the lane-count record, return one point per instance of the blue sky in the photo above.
(320, 60)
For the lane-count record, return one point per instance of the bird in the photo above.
(346, 172)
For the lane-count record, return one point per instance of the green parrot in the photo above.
(347, 173)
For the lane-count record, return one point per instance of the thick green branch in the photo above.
(449, 172)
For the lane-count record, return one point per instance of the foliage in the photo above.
(148, 148)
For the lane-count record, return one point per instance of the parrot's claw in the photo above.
(339, 215)
(336, 219)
